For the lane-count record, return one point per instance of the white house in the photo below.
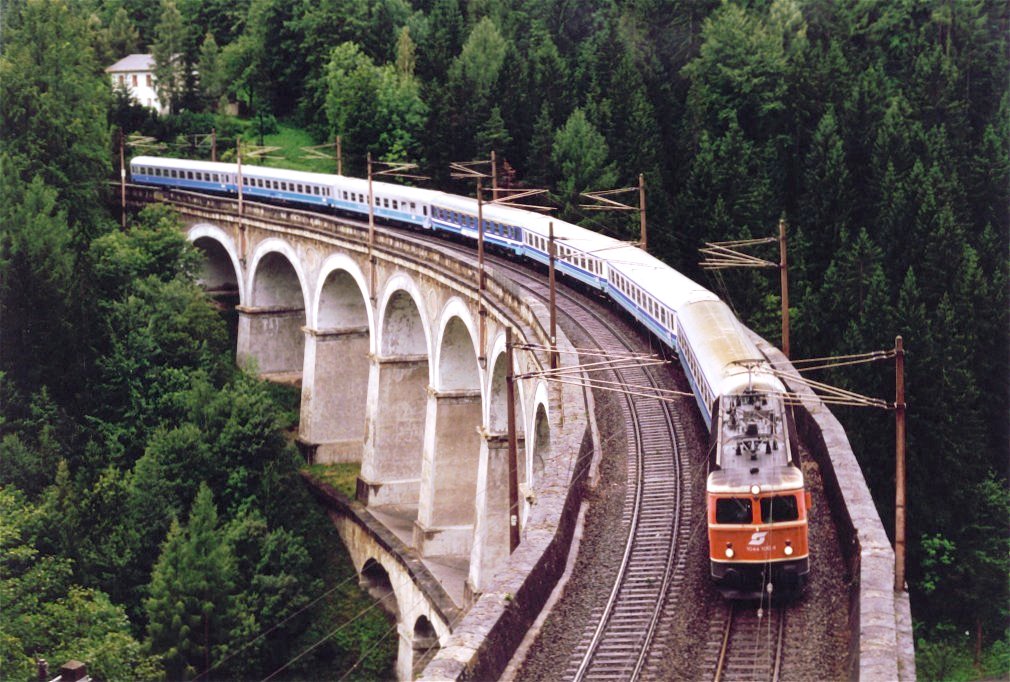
(136, 74)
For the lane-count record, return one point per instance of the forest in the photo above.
(153, 521)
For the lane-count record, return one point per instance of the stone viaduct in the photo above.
(402, 368)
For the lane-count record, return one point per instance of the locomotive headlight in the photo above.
(755, 489)
(729, 550)
(789, 549)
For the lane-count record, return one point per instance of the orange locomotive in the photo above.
(757, 505)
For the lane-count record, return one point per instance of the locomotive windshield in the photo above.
(733, 510)
(779, 508)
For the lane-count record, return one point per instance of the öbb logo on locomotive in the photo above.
(755, 490)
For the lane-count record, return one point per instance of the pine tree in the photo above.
(167, 51)
(826, 202)
(211, 77)
(443, 42)
(406, 54)
(190, 607)
(493, 135)
(539, 171)
(580, 157)
(123, 37)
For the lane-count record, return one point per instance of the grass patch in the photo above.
(290, 155)
(343, 477)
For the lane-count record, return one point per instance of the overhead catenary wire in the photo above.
(582, 351)
(831, 394)
(369, 651)
(600, 366)
(266, 632)
(328, 636)
(809, 364)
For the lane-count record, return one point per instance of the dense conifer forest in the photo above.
(152, 519)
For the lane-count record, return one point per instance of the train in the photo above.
(757, 503)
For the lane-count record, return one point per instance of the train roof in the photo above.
(663, 282)
(383, 188)
(251, 170)
(729, 359)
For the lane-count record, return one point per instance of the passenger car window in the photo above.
(779, 508)
(733, 510)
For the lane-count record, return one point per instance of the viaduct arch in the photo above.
(393, 376)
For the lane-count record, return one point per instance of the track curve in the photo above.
(620, 641)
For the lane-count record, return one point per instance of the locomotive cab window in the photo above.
(733, 510)
(779, 508)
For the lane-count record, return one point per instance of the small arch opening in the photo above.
(375, 580)
(542, 450)
(426, 644)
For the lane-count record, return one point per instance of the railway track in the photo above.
(635, 620)
(746, 644)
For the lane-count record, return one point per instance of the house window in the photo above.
(133, 78)
(149, 84)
